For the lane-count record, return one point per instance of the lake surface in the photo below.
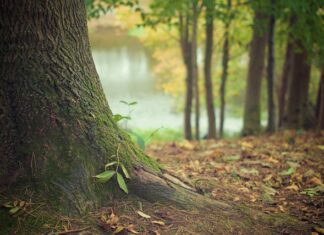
(125, 70)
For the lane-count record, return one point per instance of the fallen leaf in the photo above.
(290, 171)
(321, 147)
(159, 222)
(315, 181)
(118, 229)
(131, 228)
(320, 230)
(246, 145)
(232, 158)
(236, 199)
(142, 214)
(293, 187)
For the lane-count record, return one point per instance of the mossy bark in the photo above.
(57, 130)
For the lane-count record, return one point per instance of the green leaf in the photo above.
(110, 164)
(139, 140)
(125, 171)
(124, 102)
(121, 182)
(14, 210)
(232, 158)
(105, 176)
(132, 103)
(290, 171)
(118, 117)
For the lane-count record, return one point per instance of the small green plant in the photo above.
(114, 169)
(118, 117)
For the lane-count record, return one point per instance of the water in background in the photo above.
(124, 67)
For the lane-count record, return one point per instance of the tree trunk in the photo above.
(284, 83)
(211, 134)
(57, 130)
(271, 66)
(225, 60)
(186, 55)
(321, 102)
(297, 103)
(194, 68)
(251, 122)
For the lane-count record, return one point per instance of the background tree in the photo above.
(251, 122)
(321, 102)
(209, 31)
(270, 68)
(225, 60)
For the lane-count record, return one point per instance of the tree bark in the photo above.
(271, 66)
(321, 102)
(194, 68)
(284, 83)
(211, 134)
(57, 130)
(186, 55)
(297, 103)
(251, 122)
(225, 60)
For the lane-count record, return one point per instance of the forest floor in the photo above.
(276, 174)
(279, 173)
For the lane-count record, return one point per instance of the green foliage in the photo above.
(115, 167)
(95, 9)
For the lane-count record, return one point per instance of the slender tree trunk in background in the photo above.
(207, 71)
(251, 122)
(321, 102)
(186, 55)
(194, 67)
(225, 60)
(286, 71)
(297, 103)
(271, 66)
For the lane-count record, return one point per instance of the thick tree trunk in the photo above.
(211, 134)
(225, 60)
(297, 103)
(270, 72)
(57, 130)
(186, 55)
(321, 102)
(251, 123)
(284, 83)
(194, 68)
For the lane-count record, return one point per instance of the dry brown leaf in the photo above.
(293, 187)
(142, 214)
(156, 232)
(272, 160)
(159, 222)
(131, 228)
(236, 199)
(118, 229)
(246, 144)
(315, 181)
